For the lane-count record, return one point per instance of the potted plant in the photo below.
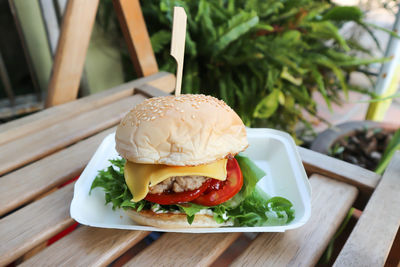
(359, 142)
(264, 58)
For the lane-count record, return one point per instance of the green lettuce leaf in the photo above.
(191, 209)
(113, 183)
(251, 175)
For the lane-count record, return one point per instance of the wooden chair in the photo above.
(74, 40)
(41, 153)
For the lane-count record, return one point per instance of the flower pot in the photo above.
(346, 136)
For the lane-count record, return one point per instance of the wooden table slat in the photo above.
(33, 224)
(49, 140)
(314, 162)
(331, 201)
(87, 246)
(372, 237)
(38, 121)
(177, 249)
(21, 186)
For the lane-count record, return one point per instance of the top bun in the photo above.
(186, 130)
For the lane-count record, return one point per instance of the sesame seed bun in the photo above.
(187, 130)
(173, 220)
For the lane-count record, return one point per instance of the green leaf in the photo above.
(291, 37)
(251, 172)
(319, 79)
(264, 8)
(191, 47)
(343, 13)
(281, 98)
(262, 211)
(190, 219)
(289, 77)
(361, 61)
(231, 6)
(393, 146)
(391, 33)
(113, 183)
(324, 61)
(204, 18)
(223, 90)
(273, 75)
(263, 26)
(379, 99)
(371, 34)
(327, 30)
(237, 26)
(267, 106)
(160, 39)
(190, 208)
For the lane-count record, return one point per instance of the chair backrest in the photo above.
(74, 39)
(136, 36)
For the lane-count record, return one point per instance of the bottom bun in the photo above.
(173, 220)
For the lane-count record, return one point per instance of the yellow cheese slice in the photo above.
(139, 177)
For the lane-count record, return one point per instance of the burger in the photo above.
(180, 167)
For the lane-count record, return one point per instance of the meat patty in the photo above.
(178, 184)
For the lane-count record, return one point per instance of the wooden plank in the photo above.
(136, 36)
(149, 91)
(87, 246)
(372, 237)
(177, 249)
(50, 21)
(27, 125)
(331, 201)
(71, 51)
(314, 162)
(23, 104)
(39, 144)
(25, 184)
(35, 223)
(167, 84)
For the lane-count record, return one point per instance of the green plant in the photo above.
(264, 58)
(326, 257)
(392, 147)
(336, 150)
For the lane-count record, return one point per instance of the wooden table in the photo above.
(40, 153)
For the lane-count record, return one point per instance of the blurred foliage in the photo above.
(392, 147)
(263, 57)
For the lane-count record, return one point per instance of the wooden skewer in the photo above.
(178, 44)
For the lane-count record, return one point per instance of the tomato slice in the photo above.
(221, 191)
(175, 198)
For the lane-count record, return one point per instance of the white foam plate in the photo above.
(273, 151)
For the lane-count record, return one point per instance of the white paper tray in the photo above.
(273, 151)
